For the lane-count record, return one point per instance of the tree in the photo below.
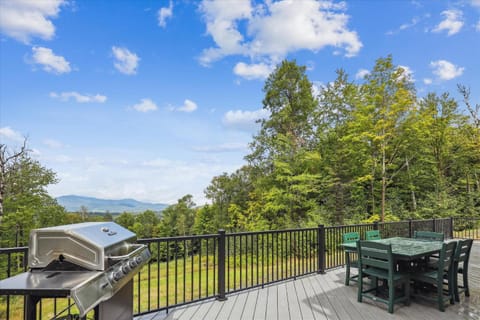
(146, 224)
(178, 219)
(379, 123)
(84, 213)
(226, 190)
(285, 136)
(8, 164)
(290, 102)
(337, 167)
(26, 203)
(126, 220)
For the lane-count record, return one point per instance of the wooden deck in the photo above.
(324, 297)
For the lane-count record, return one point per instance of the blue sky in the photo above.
(152, 99)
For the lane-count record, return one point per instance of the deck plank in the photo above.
(261, 306)
(293, 303)
(272, 310)
(283, 304)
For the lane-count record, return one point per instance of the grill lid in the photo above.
(87, 244)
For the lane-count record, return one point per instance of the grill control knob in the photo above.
(132, 263)
(117, 275)
(138, 260)
(125, 268)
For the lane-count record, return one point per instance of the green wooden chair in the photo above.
(372, 235)
(429, 235)
(376, 260)
(460, 266)
(350, 256)
(444, 270)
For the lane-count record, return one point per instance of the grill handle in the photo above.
(138, 248)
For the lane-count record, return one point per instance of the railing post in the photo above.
(321, 249)
(433, 225)
(451, 227)
(221, 266)
(410, 228)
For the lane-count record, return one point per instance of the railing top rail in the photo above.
(13, 250)
(349, 226)
(247, 233)
(179, 238)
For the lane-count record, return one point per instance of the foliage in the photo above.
(26, 203)
(368, 151)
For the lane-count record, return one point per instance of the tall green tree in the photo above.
(334, 112)
(379, 123)
(284, 147)
(289, 128)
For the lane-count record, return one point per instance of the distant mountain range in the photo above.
(73, 203)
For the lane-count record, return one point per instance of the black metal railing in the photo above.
(193, 268)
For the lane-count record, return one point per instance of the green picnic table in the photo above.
(405, 248)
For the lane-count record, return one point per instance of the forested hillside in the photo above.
(344, 152)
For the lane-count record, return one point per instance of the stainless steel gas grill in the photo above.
(92, 262)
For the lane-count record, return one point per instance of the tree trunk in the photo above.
(412, 191)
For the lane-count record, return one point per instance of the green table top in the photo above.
(405, 248)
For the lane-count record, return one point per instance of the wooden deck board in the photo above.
(324, 297)
(261, 306)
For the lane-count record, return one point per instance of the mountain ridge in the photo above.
(73, 203)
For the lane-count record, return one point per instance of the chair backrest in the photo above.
(462, 254)
(429, 235)
(447, 256)
(351, 237)
(372, 254)
(372, 235)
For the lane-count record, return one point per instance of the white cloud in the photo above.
(50, 62)
(477, 27)
(427, 81)
(221, 18)
(252, 71)
(80, 98)
(244, 120)
(188, 106)
(125, 61)
(405, 26)
(476, 3)
(452, 23)
(361, 73)
(275, 28)
(225, 147)
(10, 134)
(51, 143)
(145, 105)
(25, 19)
(446, 70)
(164, 14)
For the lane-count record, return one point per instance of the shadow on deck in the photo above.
(324, 297)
